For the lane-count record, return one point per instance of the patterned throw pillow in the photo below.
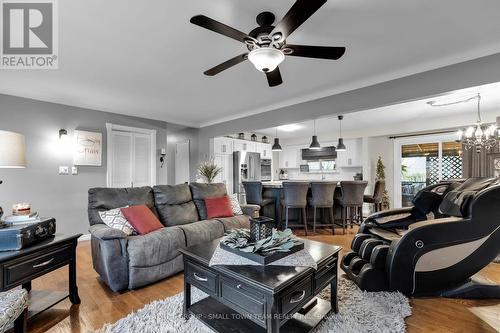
(235, 204)
(114, 218)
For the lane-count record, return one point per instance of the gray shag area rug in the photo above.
(359, 311)
(497, 259)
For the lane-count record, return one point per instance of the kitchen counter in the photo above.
(279, 183)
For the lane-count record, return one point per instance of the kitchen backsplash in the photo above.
(342, 174)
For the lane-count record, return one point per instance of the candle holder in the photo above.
(260, 228)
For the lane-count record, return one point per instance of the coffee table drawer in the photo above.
(325, 274)
(297, 295)
(18, 272)
(202, 278)
(244, 298)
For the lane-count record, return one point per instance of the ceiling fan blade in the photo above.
(274, 78)
(211, 24)
(226, 64)
(298, 14)
(320, 52)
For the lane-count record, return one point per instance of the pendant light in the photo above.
(276, 146)
(340, 146)
(314, 143)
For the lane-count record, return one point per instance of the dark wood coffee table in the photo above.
(260, 298)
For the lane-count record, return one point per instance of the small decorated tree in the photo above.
(380, 175)
(208, 170)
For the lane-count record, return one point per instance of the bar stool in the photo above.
(295, 197)
(322, 197)
(253, 191)
(351, 201)
(378, 195)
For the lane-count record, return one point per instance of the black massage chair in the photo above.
(434, 247)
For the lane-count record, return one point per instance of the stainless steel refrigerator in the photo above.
(246, 167)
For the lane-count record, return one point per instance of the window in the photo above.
(321, 166)
(424, 161)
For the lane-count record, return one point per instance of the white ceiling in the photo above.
(402, 118)
(144, 58)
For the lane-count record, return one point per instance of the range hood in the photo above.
(324, 153)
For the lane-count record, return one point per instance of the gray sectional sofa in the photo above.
(128, 262)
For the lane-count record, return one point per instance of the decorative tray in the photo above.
(263, 259)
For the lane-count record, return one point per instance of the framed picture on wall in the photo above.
(494, 165)
(88, 148)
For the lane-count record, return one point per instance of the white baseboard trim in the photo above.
(85, 237)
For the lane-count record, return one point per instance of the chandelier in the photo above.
(479, 135)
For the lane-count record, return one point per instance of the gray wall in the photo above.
(65, 197)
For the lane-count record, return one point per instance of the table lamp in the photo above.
(12, 152)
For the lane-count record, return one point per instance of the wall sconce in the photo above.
(163, 153)
(63, 134)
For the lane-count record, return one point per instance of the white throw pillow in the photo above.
(114, 218)
(235, 204)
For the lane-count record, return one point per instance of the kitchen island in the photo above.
(274, 189)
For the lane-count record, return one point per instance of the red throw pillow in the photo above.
(142, 219)
(218, 207)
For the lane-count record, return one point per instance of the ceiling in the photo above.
(397, 119)
(144, 58)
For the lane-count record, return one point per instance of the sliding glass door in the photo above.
(423, 161)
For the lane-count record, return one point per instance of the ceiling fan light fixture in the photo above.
(266, 59)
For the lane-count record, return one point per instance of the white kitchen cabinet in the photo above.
(223, 145)
(353, 157)
(264, 149)
(290, 158)
(243, 145)
(226, 176)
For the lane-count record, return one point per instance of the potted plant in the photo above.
(380, 175)
(208, 170)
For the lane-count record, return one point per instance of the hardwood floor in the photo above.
(100, 306)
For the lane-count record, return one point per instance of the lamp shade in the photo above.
(12, 150)
(266, 59)
(276, 146)
(314, 143)
(341, 146)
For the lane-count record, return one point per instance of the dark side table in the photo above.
(19, 268)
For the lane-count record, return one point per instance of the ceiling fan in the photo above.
(267, 44)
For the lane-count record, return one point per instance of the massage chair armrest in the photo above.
(251, 210)
(104, 232)
(398, 218)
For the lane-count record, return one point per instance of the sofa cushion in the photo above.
(202, 231)
(101, 199)
(142, 219)
(114, 218)
(235, 222)
(218, 207)
(174, 204)
(156, 247)
(203, 191)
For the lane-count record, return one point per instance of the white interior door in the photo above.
(182, 162)
(131, 156)
(142, 160)
(121, 175)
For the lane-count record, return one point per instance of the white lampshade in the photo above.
(12, 150)
(266, 59)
